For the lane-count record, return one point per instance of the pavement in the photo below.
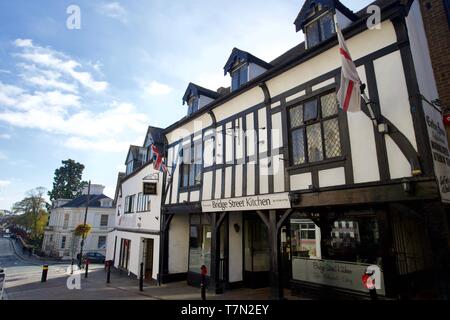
(23, 282)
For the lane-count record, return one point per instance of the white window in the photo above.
(104, 220)
(66, 221)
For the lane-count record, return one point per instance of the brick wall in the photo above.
(438, 33)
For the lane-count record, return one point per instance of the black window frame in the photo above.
(192, 167)
(317, 22)
(237, 74)
(319, 120)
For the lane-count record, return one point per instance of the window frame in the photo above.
(192, 167)
(101, 220)
(317, 21)
(319, 120)
(237, 73)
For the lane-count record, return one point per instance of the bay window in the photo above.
(314, 130)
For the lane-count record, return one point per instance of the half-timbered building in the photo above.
(272, 184)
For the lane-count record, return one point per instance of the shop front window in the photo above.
(335, 248)
(199, 243)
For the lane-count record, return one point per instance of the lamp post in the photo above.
(84, 225)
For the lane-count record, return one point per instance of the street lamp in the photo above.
(84, 227)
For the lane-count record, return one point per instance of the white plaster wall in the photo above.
(136, 251)
(362, 143)
(235, 247)
(330, 59)
(277, 132)
(300, 181)
(399, 166)
(238, 180)
(228, 186)
(240, 103)
(394, 103)
(332, 177)
(195, 125)
(278, 173)
(420, 52)
(264, 175)
(251, 178)
(179, 243)
(207, 185)
(218, 187)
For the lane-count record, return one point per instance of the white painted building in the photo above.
(66, 214)
(135, 238)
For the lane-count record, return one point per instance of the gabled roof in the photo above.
(120, 176)
(326, 4)
(134, 151)
(244, 56)
(156, 134)
(94, 201)
(196, 91)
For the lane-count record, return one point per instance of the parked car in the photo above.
(94, 257)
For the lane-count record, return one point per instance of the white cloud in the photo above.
(25, 43)
(3, 156)
(155, 88)
(113, 10)
(5, 136)
(4, 183)
(56, 61)
(5, 71)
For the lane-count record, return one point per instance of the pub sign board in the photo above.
(149, 188)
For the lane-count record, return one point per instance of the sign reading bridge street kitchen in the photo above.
(439, 149)
(261, 202)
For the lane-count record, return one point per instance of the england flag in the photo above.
(349, 95)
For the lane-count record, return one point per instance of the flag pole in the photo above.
(368, 104)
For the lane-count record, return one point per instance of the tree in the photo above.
(67, 181)
(32, 212)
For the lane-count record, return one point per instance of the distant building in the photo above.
(67, 214)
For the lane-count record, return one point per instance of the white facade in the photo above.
(59, 240)
(139, 227)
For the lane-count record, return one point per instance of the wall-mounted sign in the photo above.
(152, 177)
(261, 202)
(439, 149)
(149, 188)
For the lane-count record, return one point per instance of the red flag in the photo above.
(349, 95)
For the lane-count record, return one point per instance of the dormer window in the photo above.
(239, 77)
(193, 105)
(320, 30)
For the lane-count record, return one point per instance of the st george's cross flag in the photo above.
(158, 163)
(349, 94)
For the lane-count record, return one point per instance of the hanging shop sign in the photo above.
(149, 188)
(439, 149)
(261, 202)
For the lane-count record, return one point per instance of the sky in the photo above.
(88, 93)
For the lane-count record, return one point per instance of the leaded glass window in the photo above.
(314, 130)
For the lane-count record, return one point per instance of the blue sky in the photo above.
(88, 94)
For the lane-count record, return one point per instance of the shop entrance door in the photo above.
(148, 259)
(256, 253)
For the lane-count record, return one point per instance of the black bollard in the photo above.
(203, 273)
(87, 268)
(141, 278)
(44, 273)
(108, 276)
